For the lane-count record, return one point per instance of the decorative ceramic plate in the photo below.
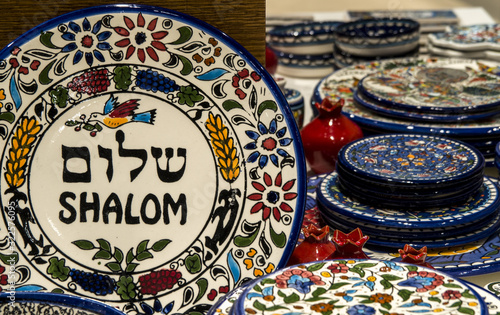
(411, 159)
(359, 287)
(399, 113)
(483, 203)
(52, 303)
(491, 300)
(342, 84)
(479, 54)
(225, 303)
(433, 89)
(468, 38)
(123, 127)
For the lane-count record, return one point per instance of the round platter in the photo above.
(492, 301)
(342, 84)
(121, 127)
(399, 113)
(482, 204)
(52, 303)
(468, 38)
(411, 159)
(433, 89)
(358, 287)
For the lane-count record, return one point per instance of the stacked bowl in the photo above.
(373, 39)
(411, 189)
(304, 49)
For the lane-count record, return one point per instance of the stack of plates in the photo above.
(482, 133)
(472, 41)
(409, 171)
(355, 287)
(497, 157)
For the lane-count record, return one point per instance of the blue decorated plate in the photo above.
(411, 159)
(482, 204)
(52, 303)
(351, 286)
(122, 128)
(342, 84)
(398, 113)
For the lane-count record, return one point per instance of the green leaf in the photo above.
(144, 255)
(276, 307)
(452, 285)
(130, 256)
(280, 293)
(405, 294)
(122, 77)
(386, 305)
(126, 288)
(318, 292)
(202, 288)
(278, 239)
(187, 66)
(102, 254)
(412, 268)
(361, 272)
(314, 299)
(84, 244)
(57, 290)
(231, 104)
(118, 255)
(466, 310)
(259, 306)
(7, 116)
(57, 269)
(386, 284)
(193, 263)
(294, 297)
(315, 267)
(337, 285)
(434, 299)
(241, 241)
(364, 265)
(160, 245)
(131, 267)
(268, 281)
(185, 33)
(257, 288)
(468, 295)
(46, 39)
(115, 267)
(142, 246)
(43, 77)
(389, 277)
(267, 105)
(104, 244)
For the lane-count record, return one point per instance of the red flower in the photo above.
(451, 295)
(144, 40)
(272, 197)
(338, 268)
(28, 63)
(3, 278)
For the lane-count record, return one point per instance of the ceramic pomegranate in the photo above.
(349, 245)
(316, 246)
(326, 134)
(271, 61)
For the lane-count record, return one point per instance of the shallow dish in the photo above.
(52, 303)
(480, 54)
(378, 37)
(305, 66)
(344, 59)
(468, 38)
(135, 122)
(353, 285)
(306, 38)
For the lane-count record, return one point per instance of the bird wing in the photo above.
(125, 109)
(110, 104)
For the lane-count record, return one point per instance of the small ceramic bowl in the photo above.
(378, 37)
(296, 102)
(344, 59)
(305, 66)
(303, 38)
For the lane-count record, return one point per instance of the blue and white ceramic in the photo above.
(497, 156)
(352, 286)
(468, 38)
(417, 116)
(344, 59)
(482, 204)
(490, 299)
(305, 66)
(124, 126)
(434, 89)
(378, 37)
(18, 302)
(342, 84)
(308, 38)
(296, 102)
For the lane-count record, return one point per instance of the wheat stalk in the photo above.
(22, 142)
(224, 148)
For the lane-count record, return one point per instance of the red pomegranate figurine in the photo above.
(316, 246)
(349, 245)
(326, 134)
(414, 256)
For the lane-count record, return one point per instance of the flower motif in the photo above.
(451, 295)
(346, 295)
(142, 39)
(156, 308)
(209, 60)
(322, 307)
(2, 97)
(272, 197)
(267, 294)
(361, 309)
(381, 298)
(369, 282)
(422, 280)
(26, 63)
(298, 279)
(338, 268)
(86, 40)
(259, 261)
(267, 144)
(243, 79)
(3, 278)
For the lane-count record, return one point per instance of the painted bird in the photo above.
(115, 115)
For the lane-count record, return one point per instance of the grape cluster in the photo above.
(159, 280)
(150, 80)
(90, 82)
(93, 282)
